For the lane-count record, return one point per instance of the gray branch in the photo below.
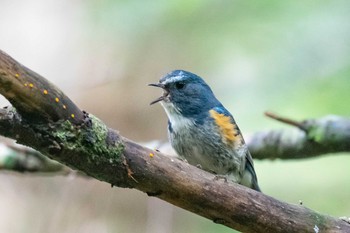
(309, 138)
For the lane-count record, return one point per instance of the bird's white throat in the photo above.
(177, 120)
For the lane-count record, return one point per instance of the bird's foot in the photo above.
(182, 159)
(221, 177)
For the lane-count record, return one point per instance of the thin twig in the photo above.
(285, 120)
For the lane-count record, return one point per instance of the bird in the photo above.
(202, 131)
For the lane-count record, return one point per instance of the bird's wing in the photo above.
(232, 135)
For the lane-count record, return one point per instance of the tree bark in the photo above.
(83, 142)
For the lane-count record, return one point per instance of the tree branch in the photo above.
(24, 159)
(313, 137)
(86, 144)
(35, 98)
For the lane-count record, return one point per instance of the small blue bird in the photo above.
(202, 131)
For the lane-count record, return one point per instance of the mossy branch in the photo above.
(87, 144)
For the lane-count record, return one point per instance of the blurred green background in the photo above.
(289, 57)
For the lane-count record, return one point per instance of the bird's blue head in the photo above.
(186, 94)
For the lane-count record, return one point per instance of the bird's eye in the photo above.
(179, 85)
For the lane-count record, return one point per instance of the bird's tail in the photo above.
(249, 178)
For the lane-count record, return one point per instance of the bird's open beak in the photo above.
(165, 94)
(156, 85)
